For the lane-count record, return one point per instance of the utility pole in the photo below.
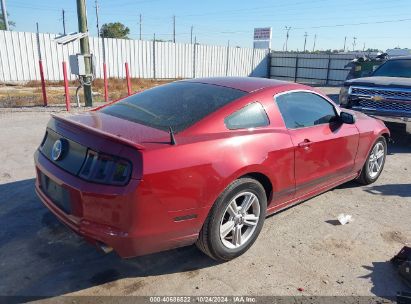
(305, 40)
(174, 29)
(345, 41)
(85, 50)
(5, 19)
(315, 40)
(97, 25)
(354, 43)
(64, 21)
(141, 20)
(287, 28)
(191, 35)
(363, 49)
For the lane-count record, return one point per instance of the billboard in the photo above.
(262, 38)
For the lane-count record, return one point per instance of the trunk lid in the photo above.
(116, 129)
(81, 136)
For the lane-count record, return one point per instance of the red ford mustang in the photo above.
(200, 161)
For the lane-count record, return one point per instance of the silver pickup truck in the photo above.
(386, 94)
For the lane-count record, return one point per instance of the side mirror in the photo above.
(347, 118)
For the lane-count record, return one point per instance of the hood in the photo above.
(380, 81)
(120, 130)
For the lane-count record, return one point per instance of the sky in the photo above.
(377, 24)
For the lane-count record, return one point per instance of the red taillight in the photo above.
(105, 169)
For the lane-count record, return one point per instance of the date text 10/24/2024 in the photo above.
(202, 299)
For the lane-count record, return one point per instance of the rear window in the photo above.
(177, 105)
(395, 68)
(251, 116)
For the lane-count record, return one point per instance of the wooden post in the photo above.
(228, 58)
(128, 80)
(105, 82)
(43, 83)
(154, 56)
(328, 69)
(296, 69)
(66, 87)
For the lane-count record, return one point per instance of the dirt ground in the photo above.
(302, 247)
(30, 94)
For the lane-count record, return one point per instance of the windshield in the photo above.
(395, 68)
(178, 104)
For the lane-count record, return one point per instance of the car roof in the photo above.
(246, 84)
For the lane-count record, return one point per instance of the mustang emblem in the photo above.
(59, 147)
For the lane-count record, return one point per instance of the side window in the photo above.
(251, 116)
(304, 109)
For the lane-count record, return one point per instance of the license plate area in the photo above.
(59, 195)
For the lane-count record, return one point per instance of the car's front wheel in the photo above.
(235, 220)
(375, 162)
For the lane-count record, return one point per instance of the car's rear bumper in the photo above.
(116, 217)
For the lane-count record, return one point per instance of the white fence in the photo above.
(310, 68)
(19, 56)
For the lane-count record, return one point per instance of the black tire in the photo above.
(209, 240)
(366, 177)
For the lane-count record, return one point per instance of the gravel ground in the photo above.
(301, 247)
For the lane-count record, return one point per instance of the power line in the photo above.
(231, 11)
(174, 29)
(97, 19)
(315, 40)
(140, 24)
(287, 28)
(305, 40)
(63, 13)
(350, 24)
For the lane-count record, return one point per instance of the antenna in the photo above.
(172, 138)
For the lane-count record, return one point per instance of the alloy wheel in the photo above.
(240, 219)
(376, 160)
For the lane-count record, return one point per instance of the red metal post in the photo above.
(43, 83)
(128, 80)
(105, 82)
(66, 87)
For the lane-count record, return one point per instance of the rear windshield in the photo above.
(177, 105)
(395, 68)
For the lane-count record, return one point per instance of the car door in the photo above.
(324, 147)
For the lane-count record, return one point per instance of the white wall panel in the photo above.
(19, 58)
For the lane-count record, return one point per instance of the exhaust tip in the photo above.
(106, 249)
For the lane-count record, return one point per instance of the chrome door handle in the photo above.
(305, 144)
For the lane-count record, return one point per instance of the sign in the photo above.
(262, 38)
(262, 33)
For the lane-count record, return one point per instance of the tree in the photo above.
(370, 50)
(2, 25)
(114, 30)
